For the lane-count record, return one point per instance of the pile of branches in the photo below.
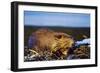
(79, 52)
(76, 52)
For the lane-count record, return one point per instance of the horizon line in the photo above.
(58, 26)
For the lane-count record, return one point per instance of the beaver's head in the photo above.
(63, 42)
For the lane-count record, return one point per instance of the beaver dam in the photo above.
(55, 43)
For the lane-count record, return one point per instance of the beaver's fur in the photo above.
(47, 42)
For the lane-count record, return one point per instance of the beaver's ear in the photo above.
(32, 41)
(57, 36)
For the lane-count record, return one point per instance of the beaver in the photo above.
(46, 42)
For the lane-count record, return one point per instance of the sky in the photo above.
(39, 18)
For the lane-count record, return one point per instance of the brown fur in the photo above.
(49, 42)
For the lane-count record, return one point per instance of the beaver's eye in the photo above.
(58, 36)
